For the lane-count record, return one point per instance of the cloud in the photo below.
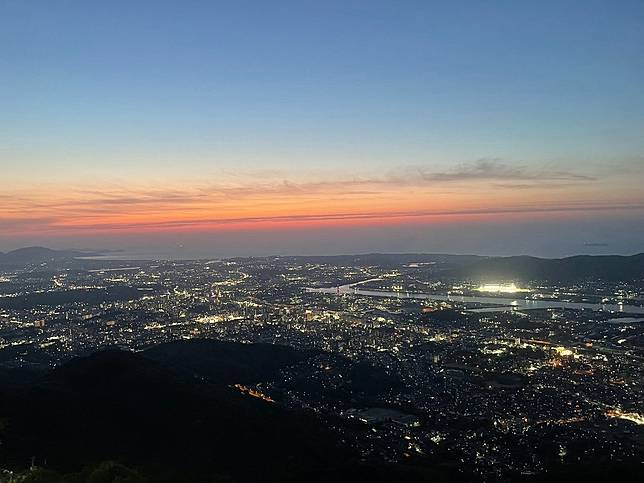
(410, 192)
(12, 224)
(62, 224)
(493, 169)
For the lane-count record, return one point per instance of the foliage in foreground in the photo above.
(106, 472)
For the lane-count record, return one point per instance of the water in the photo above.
(503, 303)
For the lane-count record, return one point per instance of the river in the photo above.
(504, 303)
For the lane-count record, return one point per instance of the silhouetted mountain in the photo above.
(606, 267)
(389, 259)
(170, 414)
(15, 377)
(23, 256)
(225, 362)
(577, 268)
(127, 407)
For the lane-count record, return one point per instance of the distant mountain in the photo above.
(484, 268)
(577, 268)
(473, 267)
(387, 259)
(24, 256)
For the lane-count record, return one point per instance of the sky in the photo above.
(206, 128)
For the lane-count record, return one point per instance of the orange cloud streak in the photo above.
(280, 204)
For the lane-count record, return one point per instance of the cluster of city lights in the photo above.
(501, 288)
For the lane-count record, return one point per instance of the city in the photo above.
(278, 241)
(501, 390)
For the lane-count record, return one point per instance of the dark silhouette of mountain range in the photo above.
(172, 414)
(23, 256)
(389, 259)
(577, 268)
(474, 267)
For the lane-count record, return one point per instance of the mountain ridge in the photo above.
(38, 254)
(172, 413)
(473, 267)
(575, 268)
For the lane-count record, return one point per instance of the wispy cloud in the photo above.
(483, 188)
(494, 169)
(92, 225)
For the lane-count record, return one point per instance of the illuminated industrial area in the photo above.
(501, 288)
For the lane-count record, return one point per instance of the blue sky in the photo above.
(167, 92)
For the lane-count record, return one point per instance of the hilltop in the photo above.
(172, 413)
(27, 255)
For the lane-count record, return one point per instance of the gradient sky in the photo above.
(205, 128)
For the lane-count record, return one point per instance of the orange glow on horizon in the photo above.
(57, 211)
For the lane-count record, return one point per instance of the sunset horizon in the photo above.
(205, 126)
